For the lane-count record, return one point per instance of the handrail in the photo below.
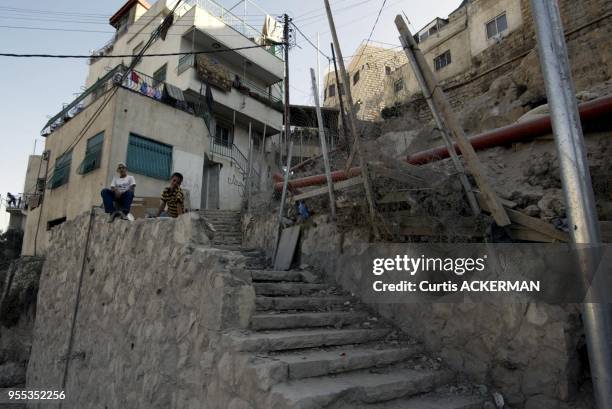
(234, 154)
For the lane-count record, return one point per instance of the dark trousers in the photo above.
(124, 201)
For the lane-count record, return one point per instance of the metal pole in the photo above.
(467, 186)
(286, 114)
(577, 187)
(318, 69)
(339, 93)
(281, 207)
(250, 172)
(330, 183)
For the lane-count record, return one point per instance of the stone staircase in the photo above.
(313, 346)
(228, 226)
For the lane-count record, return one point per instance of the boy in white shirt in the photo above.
(121, 192)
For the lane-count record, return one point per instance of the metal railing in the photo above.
(257, 91)
(23, 201)
(235, 22)
(235, 155)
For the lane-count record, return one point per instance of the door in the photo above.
(210, 184)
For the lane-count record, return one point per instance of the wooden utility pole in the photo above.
(330, 184)
(435, 95)
(287, 117)
(353, 124)
(249, 182)
(338, 90)
(467, 186)
(281, 208)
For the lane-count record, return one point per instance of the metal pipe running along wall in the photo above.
(514, 133)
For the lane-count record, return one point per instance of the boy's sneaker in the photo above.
(130, 217)
(112, 216)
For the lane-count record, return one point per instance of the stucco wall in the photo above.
(31, 177)
(82, 191)
(480, 12)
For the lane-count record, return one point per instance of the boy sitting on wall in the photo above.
(121, 192)
(173, 197)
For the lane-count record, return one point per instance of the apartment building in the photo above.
(159, 118)
(367, 71)
(452, 45)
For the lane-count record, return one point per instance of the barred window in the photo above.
(442, 60)
(93, 154)
(148, 157)
(223, 134)
(61, 170)
(159, 76)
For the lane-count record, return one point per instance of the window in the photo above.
(159, 75)
(398, 85)
(497, 25)
(223, 134)
(356, 78)
(93, 154)
(55, 222)
(387, 70)
(148, 157)
(442, 60)
(331, 90)
(61, 170)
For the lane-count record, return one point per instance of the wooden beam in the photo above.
(533, 223)
(435, 93)
(322, 190)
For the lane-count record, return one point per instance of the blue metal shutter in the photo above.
(149, 158)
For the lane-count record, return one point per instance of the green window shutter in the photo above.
(93, 154)
(61, 170)
(149, 158)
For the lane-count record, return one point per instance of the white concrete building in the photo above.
(159, 119)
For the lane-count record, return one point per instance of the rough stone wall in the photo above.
(588, 27)
(523, 350)
(370, 61)
(18, 289)
(155, 299)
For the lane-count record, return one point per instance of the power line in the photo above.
(310, 42)
(126, 55)
(110, 94)
(371, 32)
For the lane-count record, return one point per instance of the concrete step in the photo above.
(312, 363)
(306, 320)
(312, 303)
(284, 288)
(277, 276)
(357, 388)
(433, 401)
(300, 339)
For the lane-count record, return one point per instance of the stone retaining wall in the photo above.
(155, 300)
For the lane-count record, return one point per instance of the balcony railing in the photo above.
(235, 22)
(259, 92)
(22, 201)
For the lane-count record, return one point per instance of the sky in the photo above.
(34, 89)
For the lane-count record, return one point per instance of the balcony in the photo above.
(245, 86)
(22, 202)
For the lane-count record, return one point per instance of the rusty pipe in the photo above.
(514, 133)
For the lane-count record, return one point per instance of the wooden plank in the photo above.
(322, 190)
(435, 92)
(527, 234)
(286, 248)
(532, 223)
